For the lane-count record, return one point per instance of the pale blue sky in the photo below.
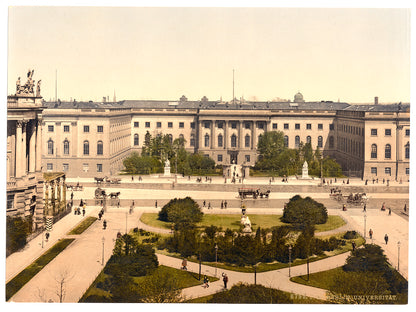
(162, 53)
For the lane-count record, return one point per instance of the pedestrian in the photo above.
(83, 211)
(370, 233)
(156, 204)
(225, 279)
(386, 238)
(365, 208)
(225, 204)
(222, 204)
(184, 265)
(388, 182)
(72, 195)
(104, 224)
(206, 281)
(47, 236)
(366, 182)
(348, 181)
(132, 203)
(209, 205)
(132, 178)
(203, 204)
(118, 203)
(81, 203)
(389, 211)
(344, 207)
(353, 246)
(383, 207)
(99, 216)
(405, 208)
(384, 180)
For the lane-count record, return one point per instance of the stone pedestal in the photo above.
(305, 173)
(167, 172)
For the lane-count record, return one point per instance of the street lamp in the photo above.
(290, 257)
(398, 256)
(126, 221)
(102, 258)
(216, 258)
(365, 225)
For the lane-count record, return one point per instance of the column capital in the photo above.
(19, 123)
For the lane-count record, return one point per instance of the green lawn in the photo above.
(232, 221)
(80, 228)
(35, 267)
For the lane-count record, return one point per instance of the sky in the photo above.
(351, 55)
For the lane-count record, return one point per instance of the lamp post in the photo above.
(126, 221)
(322, 160)
(398, 256)
(216, 259)
(102, 258)
(290, 257)
(365, 225)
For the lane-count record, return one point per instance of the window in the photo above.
(374, 132)
(297, 141)
(320, 126)
(220, 140)
(286, 126)
(206, 125)
(320, 141)
(387, 171)
(10, 201)
(233, 140)
(50, 128)
(308, 126)
(85, 167)
(147, 124)
(86, 148)
(206, 140)
(331, 142)
(49, 167)
(219, 157)
(66, 147)
(158, 124)
(308, 139)
(66, 128)
(136, 124)
(86, 129)
(247, 158)
(233, 125)
(373, 151)
(50, 147)
(261, 125)
(65, 167)
(136, 139)
(286, 139)
(99, 167)
(170, 124)
(247, 141)
(100, 147)
(192, 125)
(181, 125)
(407, 171)
(407, 131)
(275, 126)
(220, 125)
(387, 151)
(331, 127)
(387, 132)
(374, 170)
(100, 128)
(192, 141)
(247, 125)
(297, 126)
(407, 151)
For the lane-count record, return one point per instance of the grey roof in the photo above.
(379, 107)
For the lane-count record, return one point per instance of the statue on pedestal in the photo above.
(305, 173)
(245, 220)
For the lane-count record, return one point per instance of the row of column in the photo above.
(28, 157)
(55, 196)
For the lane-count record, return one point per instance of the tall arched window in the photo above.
(206, 140)
(220, 140)
(50, 147)
(86, 148)
(66, 147)
(374, 151)
(170, 138)
(136, 139)
(100, 148)
(308, 139)
(192, 140)
(331, 142)
(407, 151)
(233, 140)
(297, 141)
(320, 141)
(247, 141)
(286, 139)
(387, 151)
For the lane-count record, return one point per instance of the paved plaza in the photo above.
(81, 261)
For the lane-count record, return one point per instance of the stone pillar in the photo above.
(399, 144)
(63, 194)
(53, 204)
(212, 134)
(254, 136)
(24, 148)
(240, 135)
(32, 146)
(18, 151)
(39, 145)
(58, 195)
(47, 207)
(226, 135)
(201, 135)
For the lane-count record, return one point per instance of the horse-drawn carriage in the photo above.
(106, 179)
(357, 198)
(245, 192)
(76, 187)
(99, 193)
(113, 195)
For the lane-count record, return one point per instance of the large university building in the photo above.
(87, 139)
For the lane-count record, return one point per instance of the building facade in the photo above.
(24, 152)
(88, 139)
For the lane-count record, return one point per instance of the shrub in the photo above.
(350, 235)
(304, 211)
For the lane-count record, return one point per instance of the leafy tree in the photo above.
(181, 210)
(369, 258)
(160, 287)
(271, 144)
(17, 231)
(246, 293)
(304, 211)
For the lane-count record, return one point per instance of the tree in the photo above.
(304, 212)
(160, 287)
(17, 231)
(181, 210)
(271, 144)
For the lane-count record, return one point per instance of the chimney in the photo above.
(376, 100)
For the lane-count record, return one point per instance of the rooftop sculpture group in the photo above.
(28, 87)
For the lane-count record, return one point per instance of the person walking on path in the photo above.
(83, 211)
(225, 280)
(225, 204)
(209, 205)
(184, 265)
(156, 204)
(386, 238)
(389, 211)
(365, 208)
(222, 204)
(353, 246)
(104, 224)
(370, 233)
(206, 281)
(203, 204)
